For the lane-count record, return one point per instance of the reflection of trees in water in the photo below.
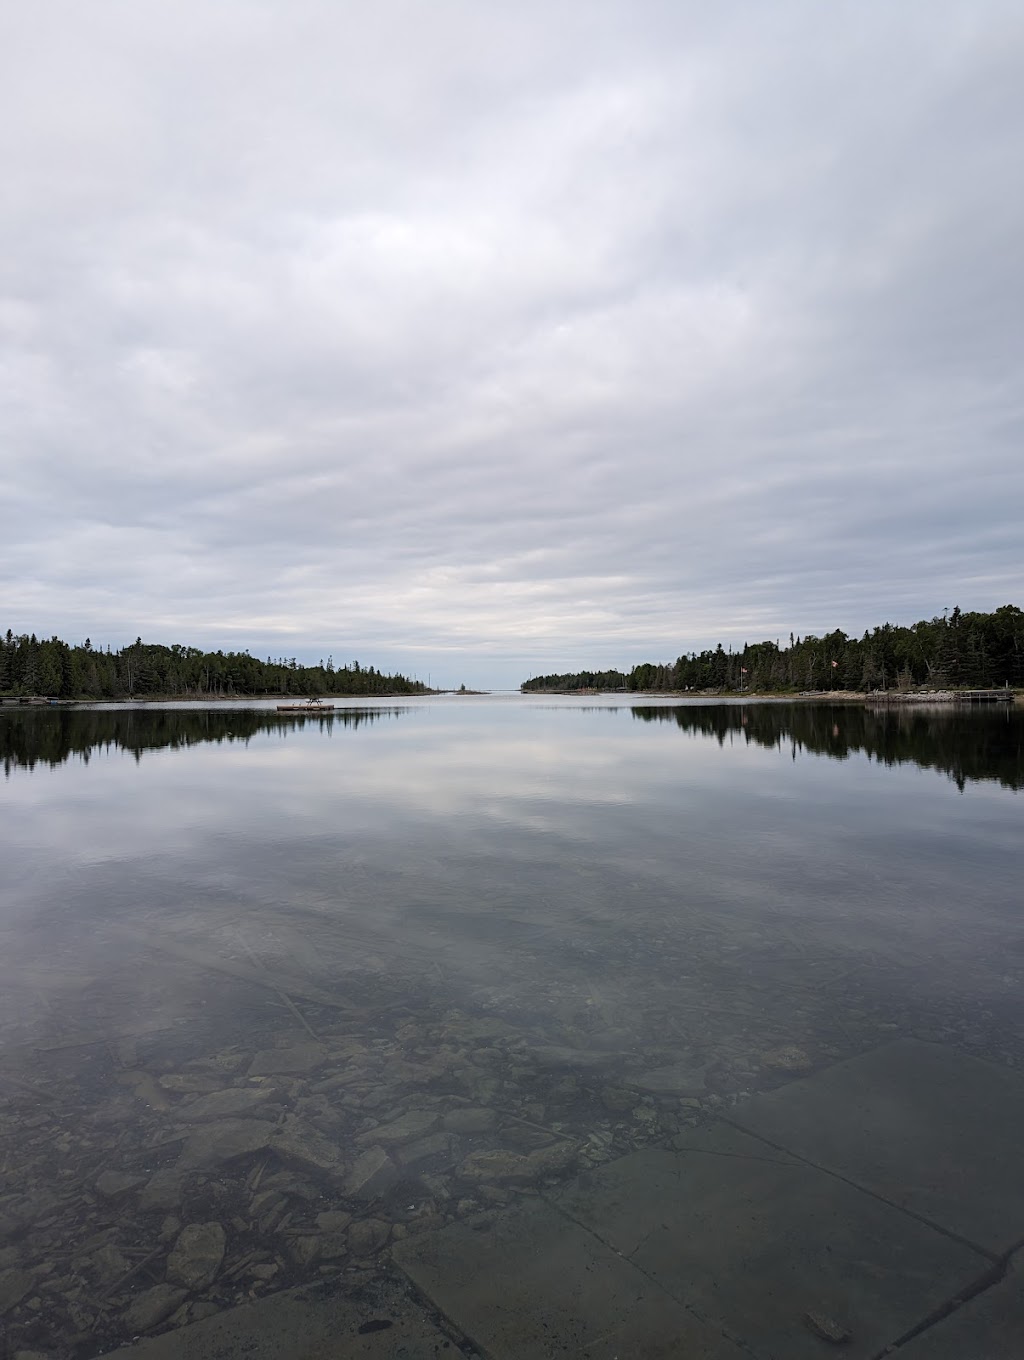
(52, 736)
(968, 744)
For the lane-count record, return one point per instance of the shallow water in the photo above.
(237, 947)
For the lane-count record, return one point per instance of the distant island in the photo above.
(145, 670)
(953, 651)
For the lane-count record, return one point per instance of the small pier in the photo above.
(942, 696)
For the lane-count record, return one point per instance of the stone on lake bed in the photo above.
(305, 1248)
(109, 1264)
(499, 1164)
(827, 1328)
(472, 1119)
(298, 1144)
(681, 1079)
(368, 1236)
(117, 1184)
(234, 1102)
(148, 1309)
(517, 1168)
(14, 1285)
(372, 1175)
(163, 1191)
(555, 1056)
(226, 1141)
(296, 1061)
(405, 1129)
(197, 1255)
(267, 1209)
(617, 1099)
(434, 1147)
(332, 1246)
(333, 1220)
(191, 1083)
(788, 1058)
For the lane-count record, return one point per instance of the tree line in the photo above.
(56, 669)
(955, 650)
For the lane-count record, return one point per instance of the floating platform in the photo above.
(305, 708)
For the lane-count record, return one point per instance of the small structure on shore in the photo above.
(942, 696)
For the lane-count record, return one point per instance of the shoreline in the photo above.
(41, 701)
(872, 698)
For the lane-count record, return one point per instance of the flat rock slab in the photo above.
(320, 1322)
(925, 1127)
(532, 1285)
(754, 1242)
(988, 1327)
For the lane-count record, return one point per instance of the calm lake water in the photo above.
(320, 982)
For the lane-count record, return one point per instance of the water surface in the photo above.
(541, 930)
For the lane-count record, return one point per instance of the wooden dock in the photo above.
(942, 696)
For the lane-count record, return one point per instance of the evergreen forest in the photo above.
(60, 670)
(956, 650)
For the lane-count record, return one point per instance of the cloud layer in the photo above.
(486, 340)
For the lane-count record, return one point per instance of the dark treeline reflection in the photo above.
(966, 743)
(52, 736)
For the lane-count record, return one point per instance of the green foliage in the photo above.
(964, 651)
(57, 670)
(603, 680)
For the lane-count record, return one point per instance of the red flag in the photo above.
(743, 670)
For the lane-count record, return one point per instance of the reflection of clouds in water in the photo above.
(499, 843)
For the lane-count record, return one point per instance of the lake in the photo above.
(322, 982)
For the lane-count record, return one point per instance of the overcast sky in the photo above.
(482, 339)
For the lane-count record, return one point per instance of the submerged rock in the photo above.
(436, 1147)
(368, 1236)
(557, 1056)
(826, 1327)
(267, 1209)
(14, 1285)
(372, 1175)
(617, 1100)
(472, 1119)
(304, 1249)
(405, 1129)
(148, 1309)
(162, 1192)
(333, 1220)
(109, 1264)
(681, 1079)
(190, 1083)
(788, 1058)
(298, 1060)
(216, 1144)
(116, 1184)
(234, 1102)
(197, 1255)
(298, 1144)
(517, 1168)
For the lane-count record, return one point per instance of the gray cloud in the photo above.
(484, 340)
